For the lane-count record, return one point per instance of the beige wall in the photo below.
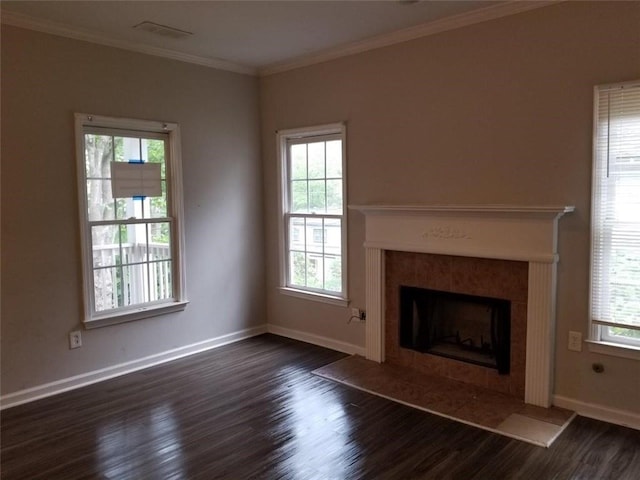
(499, 112)
(45, 79)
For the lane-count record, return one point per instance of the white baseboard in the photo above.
(599, 412)
(77, 381)
(316, 340)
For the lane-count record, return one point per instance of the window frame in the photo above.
(299, 135)
(175, 212)
(600, 340)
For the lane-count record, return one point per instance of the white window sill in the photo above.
(316, 297)
(614, 349)
(137, 314)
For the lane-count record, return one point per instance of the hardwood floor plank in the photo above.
(253, 410)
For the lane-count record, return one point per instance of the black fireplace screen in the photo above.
(462, 327)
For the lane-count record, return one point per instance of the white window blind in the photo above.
(615, 263)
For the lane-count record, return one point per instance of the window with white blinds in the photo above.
(615, 251)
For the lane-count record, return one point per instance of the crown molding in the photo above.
(399, 36)
(430, 28)
(62, 30)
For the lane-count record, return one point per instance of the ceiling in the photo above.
(252, 36)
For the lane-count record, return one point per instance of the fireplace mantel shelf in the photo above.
(520, 210)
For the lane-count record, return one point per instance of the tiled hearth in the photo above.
(503, 279)
(490, 410)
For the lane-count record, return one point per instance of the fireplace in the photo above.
(471, 284)
(466, 328)
(521, 234)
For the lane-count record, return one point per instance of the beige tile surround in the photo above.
(504, 279)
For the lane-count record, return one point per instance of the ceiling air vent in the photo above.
(163, 30)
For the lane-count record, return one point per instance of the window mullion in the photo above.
(113, 159)
(148, 249)
(307, 181)
(306, 255)
(120, 268)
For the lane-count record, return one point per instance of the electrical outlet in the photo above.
(75, 339)
(358, 315)
(575, 341)
(355, 312)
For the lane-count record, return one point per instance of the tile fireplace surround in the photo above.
(501, 232)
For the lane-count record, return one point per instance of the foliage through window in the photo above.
(313, 190)
(130, 244)
(615, 263)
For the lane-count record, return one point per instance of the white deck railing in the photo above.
(144, 274)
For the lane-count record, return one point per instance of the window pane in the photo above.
(315, 270)
(316, 160)
(334, 159)
(298, 162)
(137, 206)
(100, 202)
(333, 273)
(145, 206)
(624, 284)
(134, 243)
(124, 208)
(119, 153)
(134, 284)
(106, 283)
(155, 154)
(333, 240)
(160, 281)
(131, 149)
(98, 155)
(157, 206)
(297, 269)
(299, 198)
(624, 335)
(317, 196)
(318, 235)
(296, 233)
(314, 229)
(159, 241)
(105, 245)
(334, 196)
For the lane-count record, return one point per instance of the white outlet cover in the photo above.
(575, 341)
(75, 339)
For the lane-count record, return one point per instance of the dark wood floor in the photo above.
(253, 410)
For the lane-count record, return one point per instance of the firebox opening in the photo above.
(462, 327)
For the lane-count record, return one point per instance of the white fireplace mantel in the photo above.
(508, 232)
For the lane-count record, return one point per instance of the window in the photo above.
(313, 217)
(615, 253)
(319, 235)
(131, 224)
